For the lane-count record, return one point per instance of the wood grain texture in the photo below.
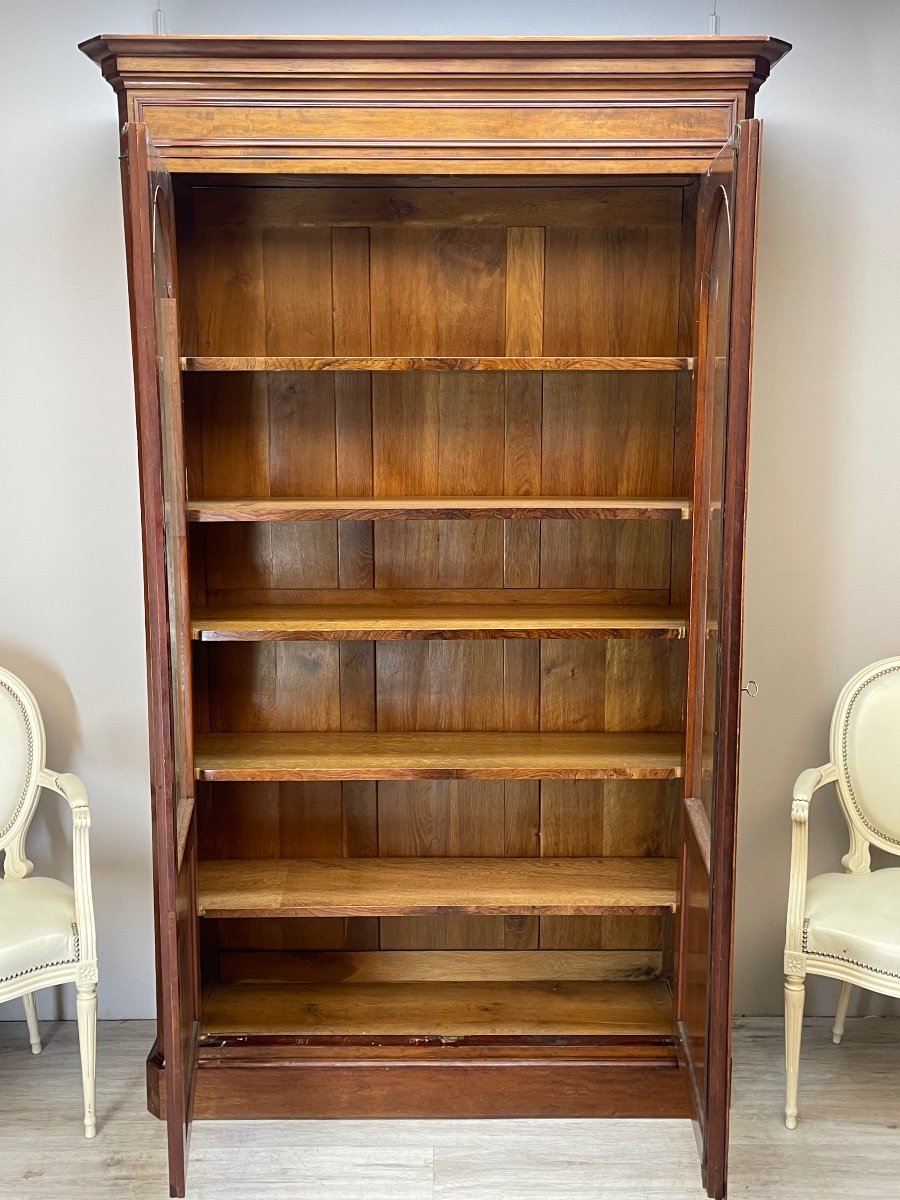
(397, 966)
(626, 170)
(378, 621)
(412, 363)
(338, 107)
(427, 129)
(634, 1079)
(478, 434)
(151, 259)
(443, 508)
(295, 202)
(312, 756)
(471, 434)
(726, 728)
(445, 1009)
(402, 886)
(324, 598)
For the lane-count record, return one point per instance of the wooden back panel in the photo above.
(437, 271)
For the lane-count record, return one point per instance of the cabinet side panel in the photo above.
(150, 238)
(726, 239)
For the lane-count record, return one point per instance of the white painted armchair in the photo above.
(47, 931)
(847, 926)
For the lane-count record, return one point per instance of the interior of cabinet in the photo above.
(438, 444)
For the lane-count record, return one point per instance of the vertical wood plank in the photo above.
(443, 818)
(440, 686)
(351, 290)
(522, 476)
(302, 452)
(304, 554)
(573, 686)
(471, 431)
(307, 685)
(242, 688)
(439, 554)
(610, 288)
(237, 556)
(524, 291)
(356, 554)
(230, 288)
(523, 403)
(406, 433)
(299, 301)
(451, 300)
(357, 686)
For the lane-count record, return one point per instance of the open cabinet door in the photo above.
(725, 257)
(150, 229)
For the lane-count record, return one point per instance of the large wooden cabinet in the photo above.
(442, 351)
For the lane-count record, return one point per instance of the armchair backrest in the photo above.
(21, 759)
(865, 748)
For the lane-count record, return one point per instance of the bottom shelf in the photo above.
(439, 1009)
(247, 1078)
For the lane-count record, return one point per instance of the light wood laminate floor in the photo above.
(847, 1142)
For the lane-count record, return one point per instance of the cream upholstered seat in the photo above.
(855, 919)
(47, 931)
(42, 914)
(847, 926)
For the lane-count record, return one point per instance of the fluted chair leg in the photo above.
(794, 996)
(87, 1040)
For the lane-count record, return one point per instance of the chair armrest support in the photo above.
(73, 791)
(70, 787)
(811, 780)
(808, 782)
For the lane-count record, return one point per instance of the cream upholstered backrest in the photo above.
(21, 759)
(865, 748)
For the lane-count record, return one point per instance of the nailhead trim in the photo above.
(63, 962)
(27, 785)
(853, 962)
(844, 755)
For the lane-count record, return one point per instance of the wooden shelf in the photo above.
(396, 887)
(547, 1008)
(417, 363)
(440, 508)
(374, 619)
(327, 756)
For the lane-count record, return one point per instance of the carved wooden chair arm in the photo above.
(73, 791)
(70, 787)
(808, 782)
(811, 780)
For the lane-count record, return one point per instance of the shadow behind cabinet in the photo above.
(442, 353)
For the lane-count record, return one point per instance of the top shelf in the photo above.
(269, 363)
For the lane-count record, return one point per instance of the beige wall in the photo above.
(823, 571)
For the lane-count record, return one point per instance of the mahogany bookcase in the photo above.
(442, 358)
